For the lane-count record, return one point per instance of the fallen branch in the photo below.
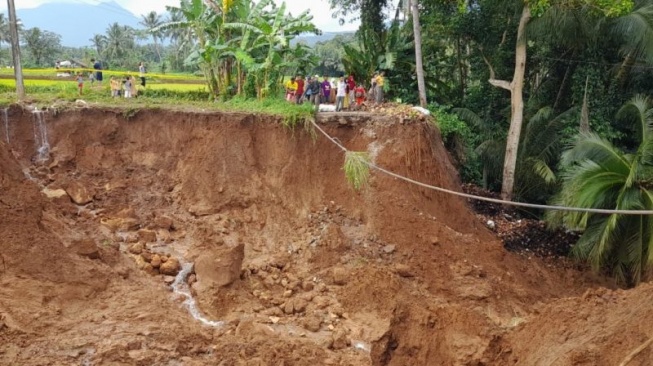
(635, 352)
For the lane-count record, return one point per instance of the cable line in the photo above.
(487, 199)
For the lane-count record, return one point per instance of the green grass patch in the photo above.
(357, 170)
(170, 96)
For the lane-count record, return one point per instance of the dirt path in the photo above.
(302, 269)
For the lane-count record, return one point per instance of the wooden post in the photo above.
(15, 49)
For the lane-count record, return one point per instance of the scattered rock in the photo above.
(202, 210)
(403, 270)
(274, 319)
(219, 268)
(156, 261)
(120, 224)
(340, 339)
(147, 236)
(389, 249)
(313, 323)
(339, 275)
(137, 248)
(169, 279)
(54, 193)
(78, 193)
(164, 222)
(147, 256)
(308, 285)
(296, 305)
(86, 248)
(171, 267)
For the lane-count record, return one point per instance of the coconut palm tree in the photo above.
(152, 22)
(4, 31)
(598, 175)
(99, 42)
(120, 39)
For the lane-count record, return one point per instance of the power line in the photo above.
(487, 199)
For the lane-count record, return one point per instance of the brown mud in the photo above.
(301, 269)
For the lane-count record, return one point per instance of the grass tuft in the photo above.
(357, 170)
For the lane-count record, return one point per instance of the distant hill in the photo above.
(312, 39)
(76, 22)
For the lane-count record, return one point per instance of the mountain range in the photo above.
(76, 23)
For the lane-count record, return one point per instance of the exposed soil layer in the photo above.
(302, 269)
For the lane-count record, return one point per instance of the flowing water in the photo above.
(5, 118)
(41, 136)
(180, 287)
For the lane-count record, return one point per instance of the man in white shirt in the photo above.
(141, 73)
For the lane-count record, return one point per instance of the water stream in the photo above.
(180, 287)
(41, 136)
(5, 118)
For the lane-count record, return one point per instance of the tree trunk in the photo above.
(516, 87)
(15, 49)
(418, 54)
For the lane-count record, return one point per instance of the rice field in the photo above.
(69, 83)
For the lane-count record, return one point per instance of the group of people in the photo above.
(126, 87)
(344, 92)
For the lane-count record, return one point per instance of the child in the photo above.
(359, 94)
(115, 87)
(128, 87)
(80, 82)
(134, 90)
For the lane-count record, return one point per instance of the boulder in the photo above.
(85, 248)
(340, 339)
(170, 268)
(119, 223)
(295, 305)
(218, 268)
(403, 270)
(78, 193)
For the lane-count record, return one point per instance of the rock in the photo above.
(164, 222)
(119, 223)
(389, 249)
(164, 236)
(169, 279)
(54, 193)
(147, 256)
(171, 267)
(202, 210)
(192, 278)
(147, 236)
(156, 261)
(137, 249)
(218, 268)
(313, 323)
(296, 305)
(86, 248)
(403, 270)
(140, 262)
(339, 276)
(78, 193)
(340, 339)
(274, 319)
(308, 285)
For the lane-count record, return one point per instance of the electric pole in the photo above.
(15, 49)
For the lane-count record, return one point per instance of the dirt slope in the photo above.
(302, 269)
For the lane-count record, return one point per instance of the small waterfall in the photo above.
(41, 136)
(5, 118)
(180, 287)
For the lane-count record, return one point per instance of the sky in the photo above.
(319, 9)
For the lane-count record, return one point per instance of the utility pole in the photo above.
(15, 49)
(417, 30)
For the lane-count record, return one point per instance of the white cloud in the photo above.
(318, 8)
